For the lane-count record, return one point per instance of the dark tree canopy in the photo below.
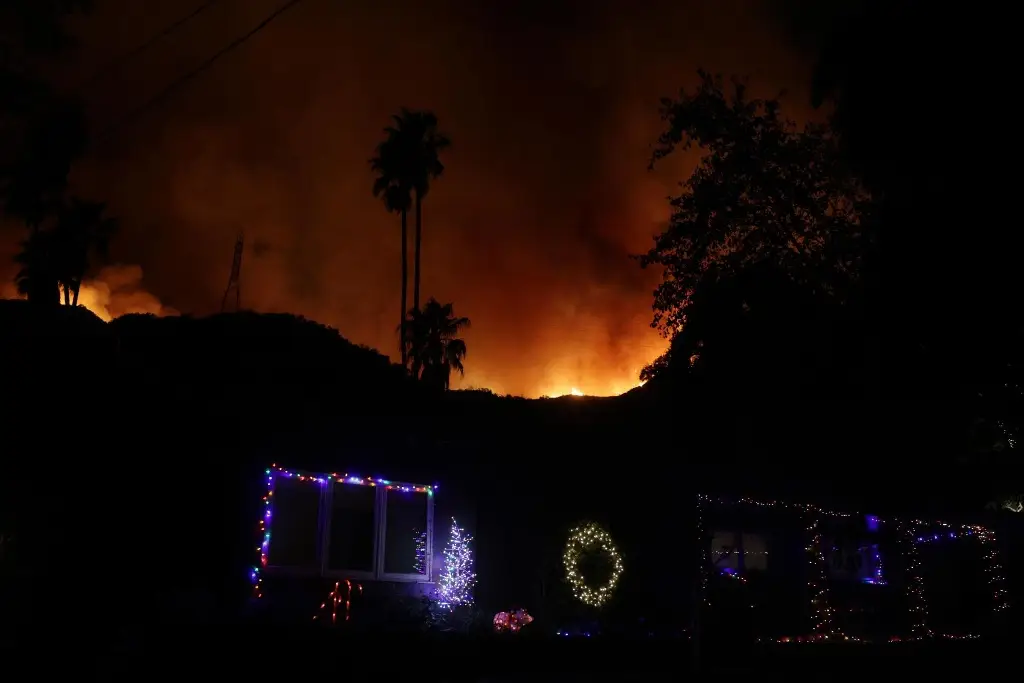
(764, 191)
(42, 131)
(945, 281)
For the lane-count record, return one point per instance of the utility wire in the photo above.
(115, 64)
(132, 116)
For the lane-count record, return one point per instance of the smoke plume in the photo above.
(551, 108)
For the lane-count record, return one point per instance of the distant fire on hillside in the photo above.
(115, 291)
(118, 290)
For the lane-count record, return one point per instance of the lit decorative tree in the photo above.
(457, 580)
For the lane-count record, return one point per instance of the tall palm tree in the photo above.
(433, 343)
(424, 146)
(393, 187)
(408, 160)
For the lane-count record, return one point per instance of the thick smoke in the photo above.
(552, 111)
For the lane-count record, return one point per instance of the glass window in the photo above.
(294, 527)
(405, 537)
(725, 552)
(849, 560)
(352, 528)
(734, 552)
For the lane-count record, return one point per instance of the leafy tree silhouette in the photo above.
(57, 258)
(433, 343)
(759, 333)
(766, 200)
(41, 131)
(36, 278)
(406, 162)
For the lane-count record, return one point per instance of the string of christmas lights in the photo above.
(272, 472)
(921, 533)
(455, 587)
(704, 572)
(582, 539)
(419, 562)
(821, 606)
(336, 597)
(912, 534)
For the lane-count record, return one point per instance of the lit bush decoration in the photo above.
(582, 539)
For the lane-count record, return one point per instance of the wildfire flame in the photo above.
(575, 392)
(116, 291)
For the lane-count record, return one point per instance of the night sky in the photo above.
(551, 106)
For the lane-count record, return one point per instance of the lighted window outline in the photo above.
(327, 482)
(917, 536)
(819, 602)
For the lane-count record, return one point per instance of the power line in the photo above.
(188, 76)
(115, 64)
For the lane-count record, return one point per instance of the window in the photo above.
(734, 552)
(849, 560)
(350, 528)
(405, 532)
(350, 536)
(295, 524)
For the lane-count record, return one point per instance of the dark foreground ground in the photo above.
(283, 654)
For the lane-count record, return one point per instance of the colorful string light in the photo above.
(273, 472)
(455, 587)
(582, 539)
(341, 594)
(911, 534)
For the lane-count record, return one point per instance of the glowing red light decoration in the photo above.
(341, 594)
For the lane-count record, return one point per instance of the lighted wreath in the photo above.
(591, 537)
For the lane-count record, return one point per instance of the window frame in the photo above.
(382, 507)
(326, 484)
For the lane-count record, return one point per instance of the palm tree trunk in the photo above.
(405, 288)
(419, 235)
(78, 286)
(67, 295)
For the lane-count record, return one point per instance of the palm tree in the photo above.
(407, 161)
(425, 144)
(432, 343)
(393, 188)
(82, 230)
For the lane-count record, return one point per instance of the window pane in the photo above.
(294, 531)
(725, 552)
(352, 528)
(406, 538)
(850, 560)
(755, 552)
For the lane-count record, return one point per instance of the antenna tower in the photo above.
(234, 282)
